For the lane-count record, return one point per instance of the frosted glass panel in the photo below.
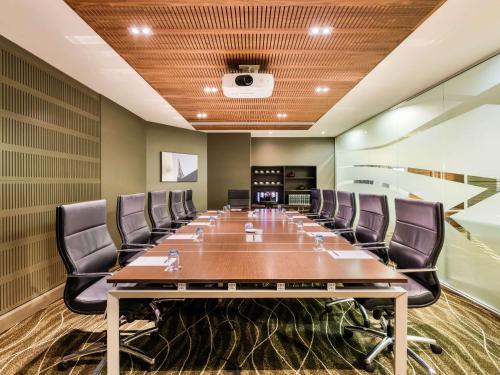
(443, 145)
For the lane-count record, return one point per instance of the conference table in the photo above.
(279, 262)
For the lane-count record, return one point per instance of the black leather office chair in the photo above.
(189, 206)
(238, 198)
(159, 214)
(176, 205)
(132, 226)
(414, 248)
(369, 234)
(315, 206)
(88, 252)
(329, 207)
(343, 219)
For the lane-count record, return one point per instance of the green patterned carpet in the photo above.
(258, 336)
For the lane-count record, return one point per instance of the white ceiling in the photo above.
(457, 35)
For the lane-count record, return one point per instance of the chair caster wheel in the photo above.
(369, 366)
(436, 349)
(348, 334)
(150, 368)
(62, 366)
(377, 314)
(366, 323)
(328, 308)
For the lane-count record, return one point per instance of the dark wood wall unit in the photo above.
(285, 180)
(50, 154)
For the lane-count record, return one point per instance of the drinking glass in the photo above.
(319, 242)
(199, 234)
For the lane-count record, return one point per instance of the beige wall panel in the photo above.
(49, 155)
(123, 140)
(228, 165)
(167, 138)
(298, 151)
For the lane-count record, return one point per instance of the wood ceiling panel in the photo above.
(194, 43)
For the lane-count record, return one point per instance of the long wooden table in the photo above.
(281, 256)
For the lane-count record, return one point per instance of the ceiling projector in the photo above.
(249, 85)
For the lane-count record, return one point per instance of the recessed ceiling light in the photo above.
(210, 89)
(323, 132)
(316, 30)
(282, 115)
(202, 115)
(270, 132)
(134, 30)
(144, 30)
(321, 89)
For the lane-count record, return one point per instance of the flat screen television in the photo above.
(267, 196)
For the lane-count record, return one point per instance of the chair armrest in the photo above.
(90, 274)
(325, 220)
(350, 230)
(373, 248)
(136, 250)
(163, 230)
(181, 221)
(140, 245)
(160, 232)
(362, 244)
(415, 270)
(312, 215)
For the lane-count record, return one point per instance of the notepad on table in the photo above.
(236, 209)
(324, 234)
(299, 217)
(181, 237)
(350, 254)
(207, 216)
(199, 223)
(311, 225)
(151, 261)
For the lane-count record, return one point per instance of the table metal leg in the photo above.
(113, 334)
(400, 344)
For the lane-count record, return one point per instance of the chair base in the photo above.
(362, 310)
(387, 342)
(125, 347)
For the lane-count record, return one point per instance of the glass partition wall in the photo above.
(443, 145)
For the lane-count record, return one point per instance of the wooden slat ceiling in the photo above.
(194, 43)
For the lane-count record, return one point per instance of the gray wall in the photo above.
(167, 138)
(298, 151)
(228, 165)
(123, 157)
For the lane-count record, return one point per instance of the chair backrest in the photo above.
(346, 213)
(131, 221)
(315, 201)
(176, 203)
(188, 202)
(329, 204)
(418, 239)
(84, 244)
(373, 218)
(158, 211)
(238, 198)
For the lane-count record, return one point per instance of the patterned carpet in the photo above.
(259, 336)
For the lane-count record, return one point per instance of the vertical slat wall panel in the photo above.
(49, 155)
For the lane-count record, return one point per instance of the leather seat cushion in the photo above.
(418, 295)
(94, 299)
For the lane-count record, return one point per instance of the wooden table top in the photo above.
(280, 254)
